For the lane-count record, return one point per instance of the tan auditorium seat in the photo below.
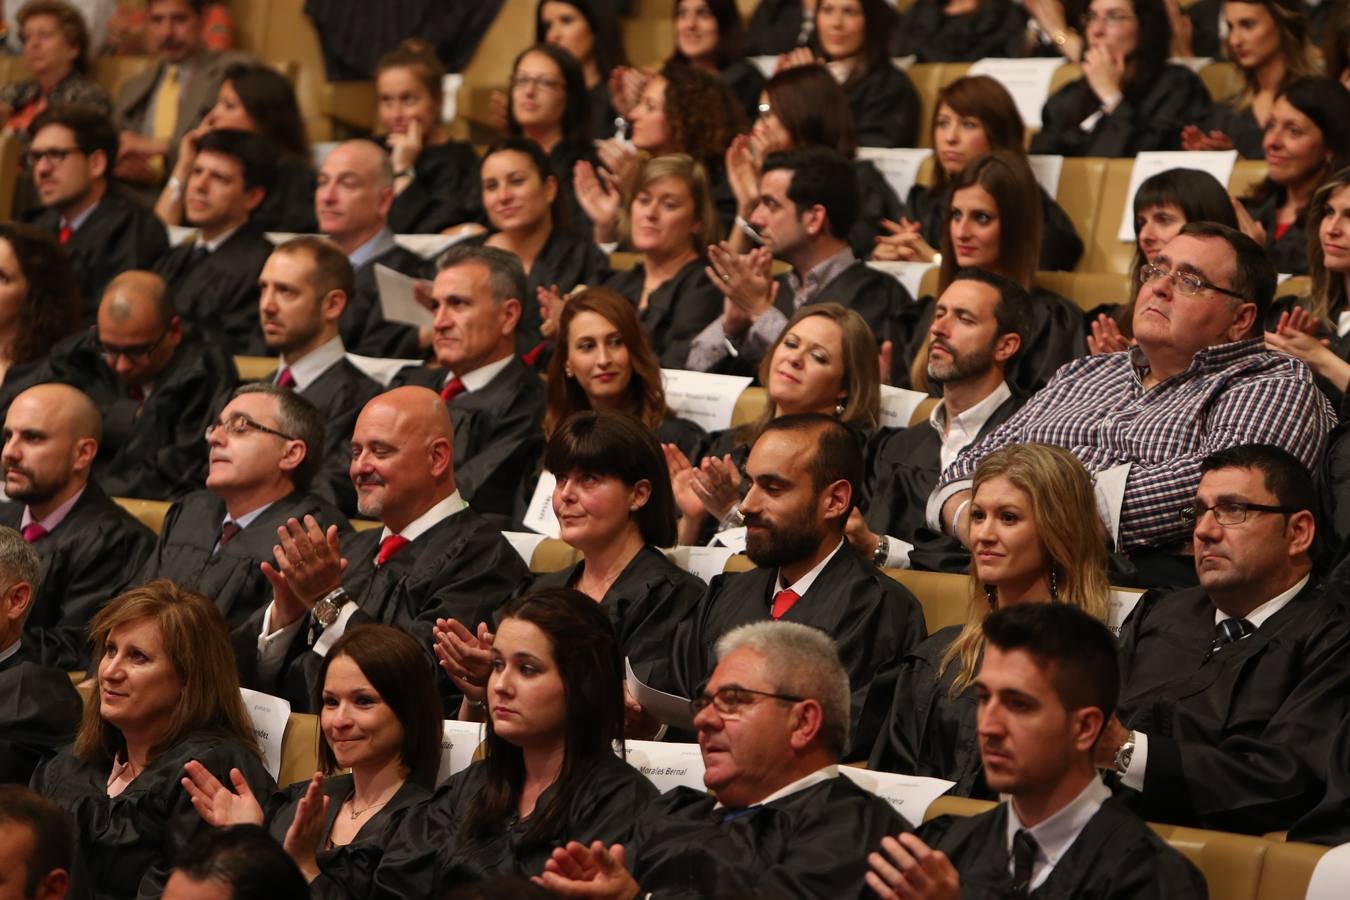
(1231, 863)
(299, 749)
(149, 513)
(255, 368)
(11, 159)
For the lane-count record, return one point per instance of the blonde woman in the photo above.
(1035, 538)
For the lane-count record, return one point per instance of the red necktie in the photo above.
(32, 531)
(782, 602)
(228, 531)
(286, 379)
(453, 388)
(390, 546)
(64, 235)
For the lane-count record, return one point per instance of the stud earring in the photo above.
(839, 409)
(1054, 584)
(991, 595)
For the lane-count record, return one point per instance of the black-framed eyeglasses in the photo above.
(133, 352)
(240, 424)
(1229, 512)
(732, 699)
(543, 82)
(1187, 283)
(55, 154)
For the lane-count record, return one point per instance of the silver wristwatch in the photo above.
(882, 553)
(1125, 754)
(326, 610)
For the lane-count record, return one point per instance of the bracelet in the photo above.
(1060, 38)
(175, 188)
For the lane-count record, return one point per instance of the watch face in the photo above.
(325, 612)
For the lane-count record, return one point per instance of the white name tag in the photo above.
(1027, 80)
(1218, 163)
(539, 514)
(269, 715)
(898, 165)
(667, 765)
(911, 795)
(459, 742)
(704, 399)
(898, 405)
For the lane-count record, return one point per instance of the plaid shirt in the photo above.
(1098, 409)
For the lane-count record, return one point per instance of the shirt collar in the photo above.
(482, 376)
(803, 584)
(823, 273)
(55, 517)
(377, 246)
(819, 775)
(314, 363)
(965, 426)
(77, 223)
(9, 651)
(429, 519)
(247, 518)
(214, 245)
(1263, 612)
(1210, 359)
(1056, 834)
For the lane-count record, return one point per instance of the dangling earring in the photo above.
(567, 370)
(991, 595)
(839, 408)
(1054, 584)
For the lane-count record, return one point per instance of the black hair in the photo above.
(604, 23)
(299, 418)
(1254, 274)
(52, 829)
(539, 159)
(838, 454)
(257, 155)
(821, 176)
(269, 100)
(1285, 474)
(576, 120)
(246, 858)
(730, 32)
(93, 131)
(1013, 312)
(1079, 650)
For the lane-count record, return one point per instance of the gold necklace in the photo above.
(361, 812)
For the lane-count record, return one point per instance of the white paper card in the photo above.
(450, 85)
(1120, 605)
(269, 715)
(1028, 80)
(898, 165)
(1331, 875)
(1218, 163)
(706, 400)
(1110, 489)
(379, 368)
(765, 64)
(668, 708)
(898, 405)
(705, 562)
(281, 237)
(398, 298)
(459, 742)
(910, 274)
(911, 795)
(430, 246)
(1047, 170)
(539, 514)
(1282, 277)
(524, 543)
(733, 538)
(181, 234)
(1194, 63)
(667, 765)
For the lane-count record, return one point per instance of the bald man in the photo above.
(434, 557)
(158, 389)
(352, 202)
(89, 546)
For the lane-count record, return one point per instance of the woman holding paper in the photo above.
(166, 691)
(1035, 537)
(1130, 99)
(553, 694)
(381, 719)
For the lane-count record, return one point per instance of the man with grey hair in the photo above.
(263, 456)
(780, 820)
(41, 707)
(89, 547)
(496, 402)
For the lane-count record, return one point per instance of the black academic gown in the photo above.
(602, 109)
(161, 453)
(125, 846)
(218, 293)
(346, 872)
(119, 234)
(996, 28)
(1115, 857)
(774, 27)
(1289, 252)
(39, 712)
(1239, 124)
(562, 159)
(498, 434)
(289, 206)
(1152, 119)
(886, 108)
(873, 619)
(1061, 247)
(676, 311)
(444, 191)
(646, 602)
(879, 201)
(809, 844)
(461, 568)
(430, 854)
(91, 557)
(1329, 821)
(363, 325)
(1238, 740)
(186, 551)
(746, 82)
(1204, 16)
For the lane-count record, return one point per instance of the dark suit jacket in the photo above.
(363, 325)
(119, 234)
(1237, 740)
(676, 311)
(87, 560)
(498, 434)
(886, 108)
(160, 454)
(39, 712)
(186, 554)
(219, 295)
(461, 569)
(132, 106)
(874, 620)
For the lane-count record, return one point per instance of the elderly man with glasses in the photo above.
(1198, 381)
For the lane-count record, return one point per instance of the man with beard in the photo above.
(804, 471)
(435, 558)
(979, 324)
(305, 285)
(89, 547)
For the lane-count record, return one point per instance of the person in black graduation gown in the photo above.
(1054, 550)
(854, 36)
(381, 725)
(214, 278)
(935, 32)
(778, 26)
(166, 692)
(803, 470)
(1329, 821)
(157, 388)
(435, 178)
(709, 34)
(1129, 99)
(435, 558)
(89, 547)
(39, 707)
(1047, 685)
(104, 232)
(263, 451)
(495, 401)
(550, 774)
(589, 30)
(778, 818)
(1235, 721)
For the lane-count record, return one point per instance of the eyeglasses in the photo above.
(1187, 283)
(1114, 19)
(732, 699)
(56, 154)
(1228, 512)
(134, 353)
(241, 424)
(543, 82)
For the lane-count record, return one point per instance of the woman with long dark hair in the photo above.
(709, 35)
(592, 36)
(39, 305)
